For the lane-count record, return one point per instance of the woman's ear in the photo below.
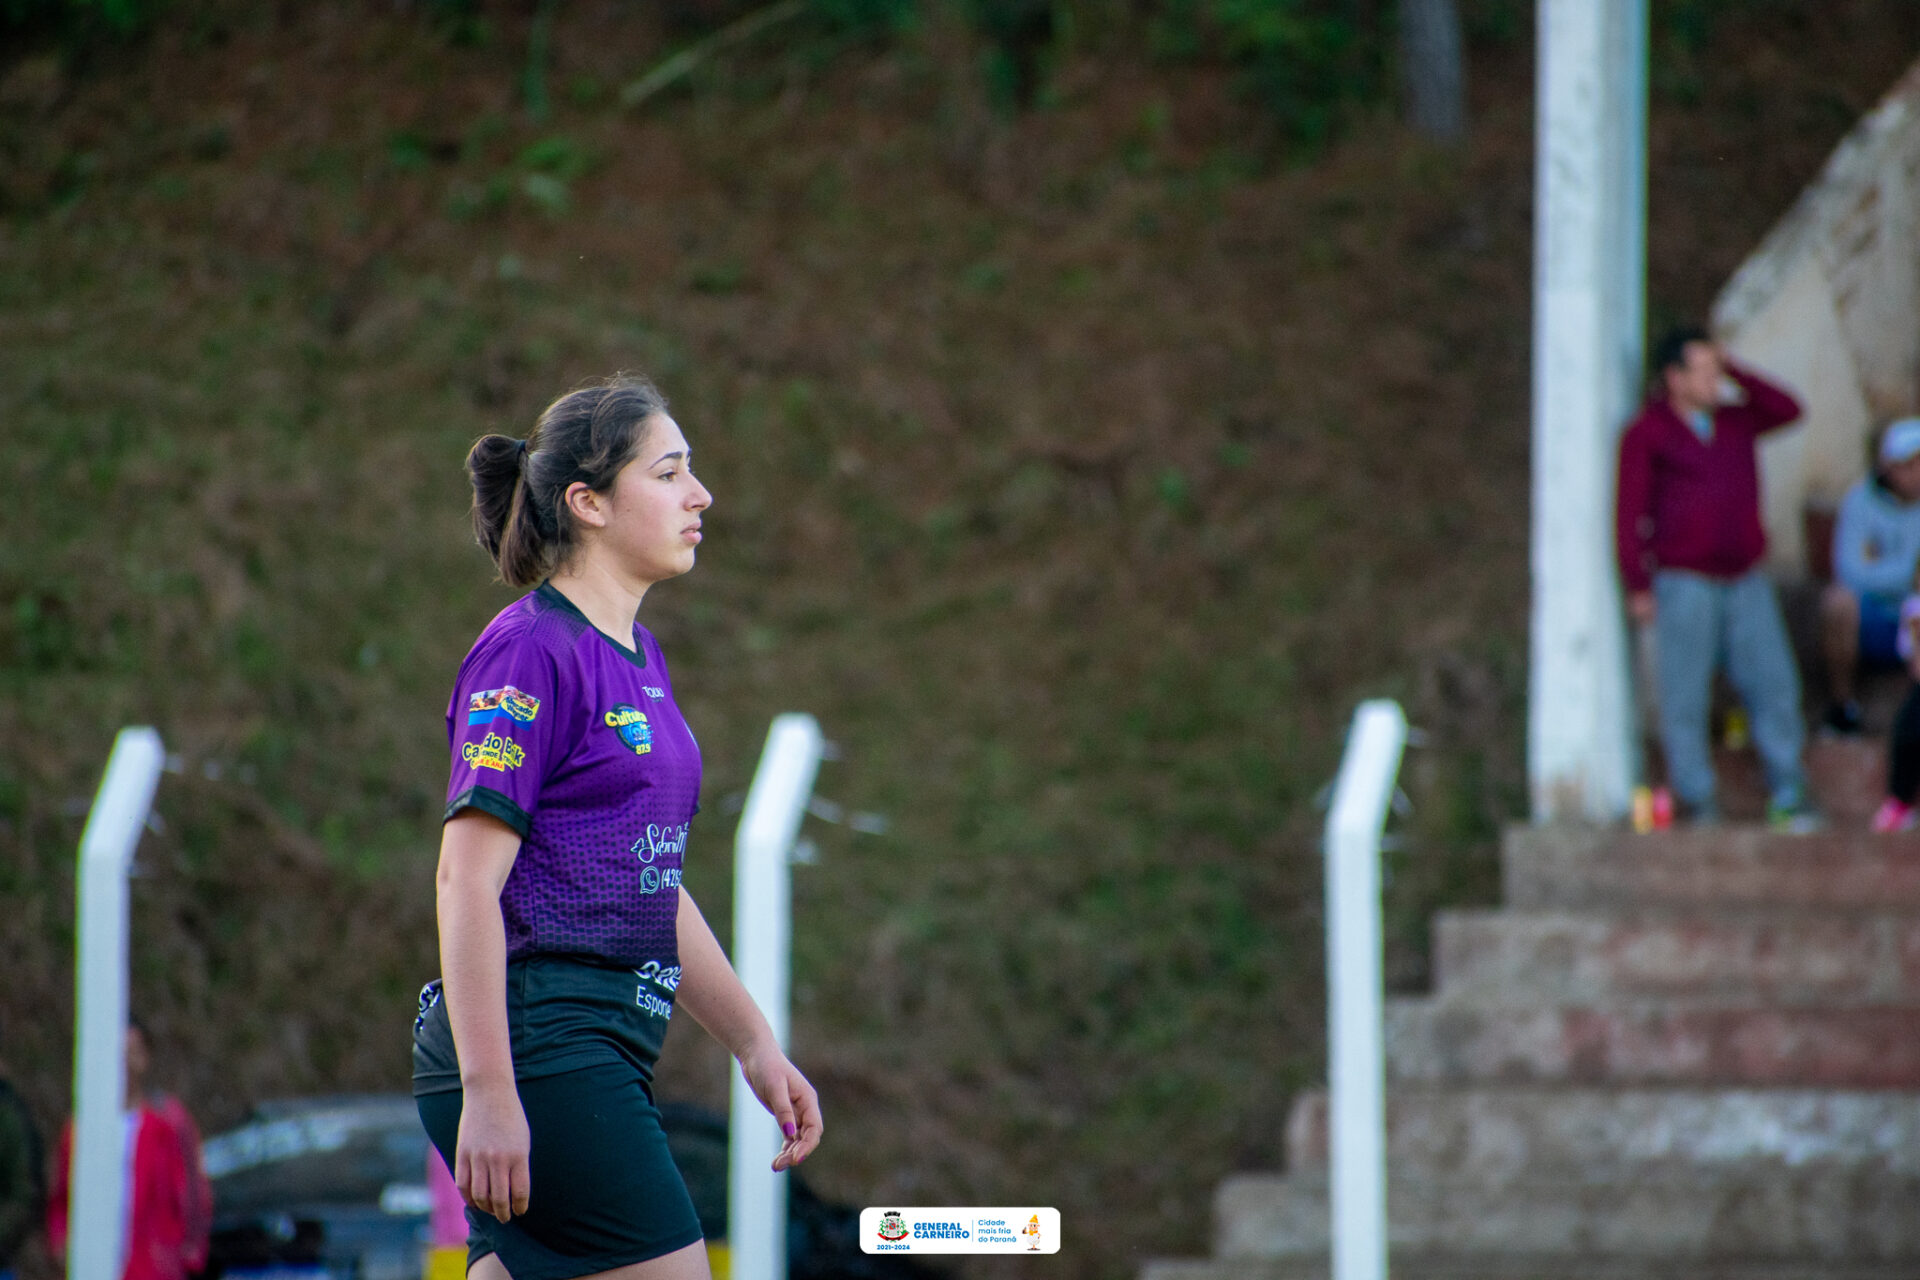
(586, 505)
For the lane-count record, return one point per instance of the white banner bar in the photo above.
(1014, 1229)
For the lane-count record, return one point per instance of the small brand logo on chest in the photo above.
(631, 724)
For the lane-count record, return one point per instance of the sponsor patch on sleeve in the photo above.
(494, 752)
(505, 703)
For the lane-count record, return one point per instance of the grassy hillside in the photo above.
(1079, 467)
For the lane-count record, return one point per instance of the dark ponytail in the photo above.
(520, 486)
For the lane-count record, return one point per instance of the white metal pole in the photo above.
(1589, 269)
(762, 951)
(1356, 1067)
(97, 1202)
(1630, 197)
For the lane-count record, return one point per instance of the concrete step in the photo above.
(1846, 776)
(1748, 957)
(1725, 867)
(1435, 1042)
(1426, 1266)
(1854, 1217)
(1505, 1133)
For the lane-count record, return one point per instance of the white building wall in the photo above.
(1830, 304)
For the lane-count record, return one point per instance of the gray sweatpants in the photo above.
(1702, 624)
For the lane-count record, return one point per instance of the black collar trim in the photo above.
(553, 596)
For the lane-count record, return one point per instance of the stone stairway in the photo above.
(1693, 1053)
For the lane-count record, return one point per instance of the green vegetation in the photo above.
(79, 22)
(1308, 62)
(1076, 463)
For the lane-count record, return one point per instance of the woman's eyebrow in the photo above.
(681, 454)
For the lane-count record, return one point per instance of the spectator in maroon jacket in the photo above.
(1690, 544)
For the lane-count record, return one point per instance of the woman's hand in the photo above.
(490, 1164)
(788, 1097)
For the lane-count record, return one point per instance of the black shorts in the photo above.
(605, 1191)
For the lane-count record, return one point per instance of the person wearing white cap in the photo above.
(1876, 546)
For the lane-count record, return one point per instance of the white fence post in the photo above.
(100, 1004)
(1356, 1067)
(762, 952)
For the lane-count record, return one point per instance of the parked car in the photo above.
(330, 1187)
(334, 1188)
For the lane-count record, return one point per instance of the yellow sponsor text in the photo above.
(494, 752)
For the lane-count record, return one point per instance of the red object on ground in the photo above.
(1662, 808)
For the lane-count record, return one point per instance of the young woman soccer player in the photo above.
(566, 939)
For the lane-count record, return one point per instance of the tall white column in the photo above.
(1588, 338)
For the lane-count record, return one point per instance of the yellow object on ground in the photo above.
(448, 1262)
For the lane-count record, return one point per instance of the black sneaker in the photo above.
(1843, 717)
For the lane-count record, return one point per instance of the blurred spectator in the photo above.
(1876, 545)
(1690, 541)
(22, 1182)
(1903, 772)
(169, 1201)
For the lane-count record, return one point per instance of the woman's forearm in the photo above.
(709, 988)
(474, 861)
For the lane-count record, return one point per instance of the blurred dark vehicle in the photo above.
(335, 1189)
(329, 1187)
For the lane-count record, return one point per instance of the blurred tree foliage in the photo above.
(1311, 61)
(77, 23)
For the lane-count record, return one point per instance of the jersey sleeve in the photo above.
(502, 726)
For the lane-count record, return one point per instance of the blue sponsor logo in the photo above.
(631, 724)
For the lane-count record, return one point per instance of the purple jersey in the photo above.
(577, 744)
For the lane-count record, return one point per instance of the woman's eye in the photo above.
(668, 475)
